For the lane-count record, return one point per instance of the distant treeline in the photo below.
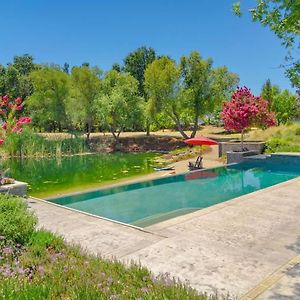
(148, 91)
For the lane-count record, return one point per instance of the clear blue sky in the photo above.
(102, 32)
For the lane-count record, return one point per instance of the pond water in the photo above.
(53, 176)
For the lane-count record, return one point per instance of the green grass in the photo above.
(30, 144)
(43, 266)
(283, 138)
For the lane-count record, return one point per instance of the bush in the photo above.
(17, 224)
(43, 240)
(30, 144)
(278, 144)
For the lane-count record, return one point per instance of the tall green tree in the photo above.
(85, 87)
(162, 85)
(269, 92)
(15, 80)
(66, 67)
(136, 63)
(119, 106)
(282, 17)
(47, 103)
(24, 64)
(285, 106)
(204, 87)
(188, 91)
(283, 103)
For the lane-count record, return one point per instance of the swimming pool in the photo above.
(145, 203)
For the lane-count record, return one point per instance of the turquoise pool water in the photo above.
(146, 203)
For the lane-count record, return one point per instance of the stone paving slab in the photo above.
(231, 247)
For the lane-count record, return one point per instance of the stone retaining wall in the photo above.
(18, 188)
(225, 147)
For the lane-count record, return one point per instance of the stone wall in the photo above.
(18, 188)
(238, 157)
(225, 147)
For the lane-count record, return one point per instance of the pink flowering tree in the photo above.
(245, 110)
(12, 122)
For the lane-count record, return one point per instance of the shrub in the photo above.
(17, 224)
(43, 240)
(30, 144)
(279, 144)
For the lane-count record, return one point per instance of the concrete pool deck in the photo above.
(235, 246)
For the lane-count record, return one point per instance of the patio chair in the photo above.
(197, 165)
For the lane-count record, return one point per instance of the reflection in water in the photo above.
(50, 176)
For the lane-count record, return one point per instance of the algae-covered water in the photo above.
(53, 176)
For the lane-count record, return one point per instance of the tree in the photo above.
(283, 103)
(245, 110)
(116, 67)
(66, 68)
(203, 86)
(282, 17)
(47, 103)
(136, 63)
(162, 87)
(14, 80)
(188, 91)
(119, 106)
(269, 92)
(285, 107)
(24, 64)
(85, 87)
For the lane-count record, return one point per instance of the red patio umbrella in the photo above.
(200, 141)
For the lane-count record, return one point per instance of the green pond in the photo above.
(54, 176)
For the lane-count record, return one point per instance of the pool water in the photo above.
(146, 203)
(54, 176)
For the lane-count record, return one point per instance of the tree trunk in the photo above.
(180, 129)
(175, 118)
(115, 136)
(195, 127)
(147, 128)
(242, 139)
(88, 130)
